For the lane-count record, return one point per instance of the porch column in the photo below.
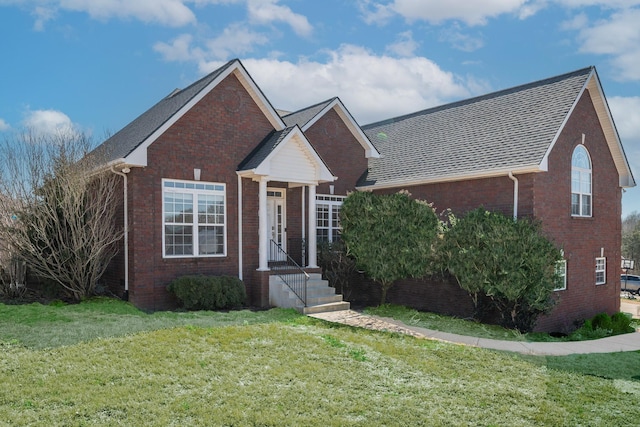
(312, 253)
(263, 241)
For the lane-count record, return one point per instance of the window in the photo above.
(601, 271)
(561, 275)
(580, 182)
(194, 219)
(328, 218)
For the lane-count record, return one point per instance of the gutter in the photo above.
(123, 174)
(515, 194)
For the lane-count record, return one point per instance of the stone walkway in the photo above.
(626, 342)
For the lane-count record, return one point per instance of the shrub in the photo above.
(601, 325)
(602, 321)
(208, 292)
(509, 261)
(621, 323)
(391, 236)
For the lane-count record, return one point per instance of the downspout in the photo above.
(515, 195)
(239, 227)
(124, 173)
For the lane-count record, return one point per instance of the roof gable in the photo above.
(287, 156)
(307, 117)
(129, 145)
(507, 131)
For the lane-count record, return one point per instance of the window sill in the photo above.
(582, 218)
(194, 257)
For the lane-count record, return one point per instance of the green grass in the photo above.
(42, 326)
(279, 368)
(443, 323)
(467, 327)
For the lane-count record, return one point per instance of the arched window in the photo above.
(581, 193)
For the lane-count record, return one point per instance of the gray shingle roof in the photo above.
(509, 129)
(302, 117)
(131, 136)
(263, 149)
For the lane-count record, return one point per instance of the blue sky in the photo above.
(95, 65)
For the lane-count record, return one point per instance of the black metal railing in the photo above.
(289, 271)
(297, 249)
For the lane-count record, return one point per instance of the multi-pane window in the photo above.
(561, 275)
(581, 192)
(328, 217)
(194, 219)
(601, 271)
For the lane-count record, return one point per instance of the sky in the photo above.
(95, 65)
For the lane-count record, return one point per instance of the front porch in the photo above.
(288, 171)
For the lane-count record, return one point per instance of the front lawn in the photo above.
(467, 327)
(274, 368)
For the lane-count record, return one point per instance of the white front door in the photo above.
(276, 223)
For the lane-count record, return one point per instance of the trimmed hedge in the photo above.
(209, 292)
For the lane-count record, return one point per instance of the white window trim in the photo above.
(563, 263)
(331, 200)
(582, 171)
(602, 270)
(195, 192)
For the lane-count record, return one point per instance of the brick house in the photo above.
(261, 180)
(218, 148)
(547, 150)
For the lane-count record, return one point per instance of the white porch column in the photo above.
(312, 243)
(263, 240)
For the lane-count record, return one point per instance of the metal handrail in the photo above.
(289, 271)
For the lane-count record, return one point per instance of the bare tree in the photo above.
(59, 209)
(631, 239)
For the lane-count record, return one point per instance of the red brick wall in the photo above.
(495, 194)
(341, 152)
(547, 197)
(582, 238)
(214, 139)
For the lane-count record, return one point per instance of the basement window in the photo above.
(601, 271)
(561, 275)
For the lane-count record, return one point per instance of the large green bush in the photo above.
(209, 292)
(509, 261)
(390, 236)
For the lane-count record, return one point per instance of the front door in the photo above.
(276, 223)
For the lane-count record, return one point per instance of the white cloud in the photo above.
(173, 13)
(626, 114)
(236, 39)
(405, 46)
(268, 11)
(4, 125)
(459, 40)
(611, 4)
(43, 15)
(49, 122)
(437, 11)
(618, 37)
(179, 49)
(372, 87)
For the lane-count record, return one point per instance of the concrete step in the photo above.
(325, 299)
(323, 308)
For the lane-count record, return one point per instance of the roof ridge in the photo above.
(217, 71)
(327, 101)
(478, 98)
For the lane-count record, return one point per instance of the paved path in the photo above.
(626, 342)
